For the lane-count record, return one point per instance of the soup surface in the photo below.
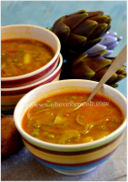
(54, 119)
(21, 56)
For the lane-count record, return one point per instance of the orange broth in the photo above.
(22, 56)
(54, 119)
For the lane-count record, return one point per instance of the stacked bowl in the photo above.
(13, 88)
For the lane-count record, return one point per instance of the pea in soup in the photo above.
(22, 56)
(55, 119)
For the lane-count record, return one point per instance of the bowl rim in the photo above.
(69, 147)
(58, 67)
(43, 67)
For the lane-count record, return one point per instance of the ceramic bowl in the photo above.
(10, 96)
(76, 158)
(31, 32)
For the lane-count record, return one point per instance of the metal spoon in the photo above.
(117, 63)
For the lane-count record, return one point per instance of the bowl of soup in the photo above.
(10, 96)
(69, 140)
(27, 53)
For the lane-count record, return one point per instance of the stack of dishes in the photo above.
(15, 86)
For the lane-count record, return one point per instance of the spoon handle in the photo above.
(117, 63)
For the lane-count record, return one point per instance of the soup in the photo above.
(22, 56)
(55, 119)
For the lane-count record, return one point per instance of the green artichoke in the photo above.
(80, 31)
(85, 41)
(93, 68)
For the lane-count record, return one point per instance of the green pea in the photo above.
(48, 101)
(3, 54)
(51, 136)
(35, 132)
(20, 64)
(102, 127)
(20, 50)
(74, 97)
(36, 125)
(15, 60)
(3, 66)
(45, 133)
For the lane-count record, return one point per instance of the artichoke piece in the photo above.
(91, 43)
(92, 25)
(95, 13)
(86, 27)
(96, 50)
(99, 31)
(82, 71)
(59, 119)
(80, 59)
(113, 81)
(113, 78)
(68, 135)
(27, 59)
(122, 71)
(87, 139)
(100, 73)
(80, 12)
(114, 85)
(101, 19)
(109, 26)
(76, 41)
(97, 63)
(119, 75)
(74, 20)
(110, 38)
(86, 67)
(62, 31)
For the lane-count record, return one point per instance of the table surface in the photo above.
(23, 166)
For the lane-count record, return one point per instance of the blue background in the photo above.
(44, 13)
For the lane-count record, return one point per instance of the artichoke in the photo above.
(85, 45)
(93, 68)
(80, 31)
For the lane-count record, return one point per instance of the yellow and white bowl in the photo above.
(71, 159)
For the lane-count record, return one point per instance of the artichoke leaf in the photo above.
(82, 71)
(86, 27)
(95, 13)
(100, 30)
(91, 43)
(74, 20)
(76, 40)
(62, 31)
(97, 63)
(101, 19)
